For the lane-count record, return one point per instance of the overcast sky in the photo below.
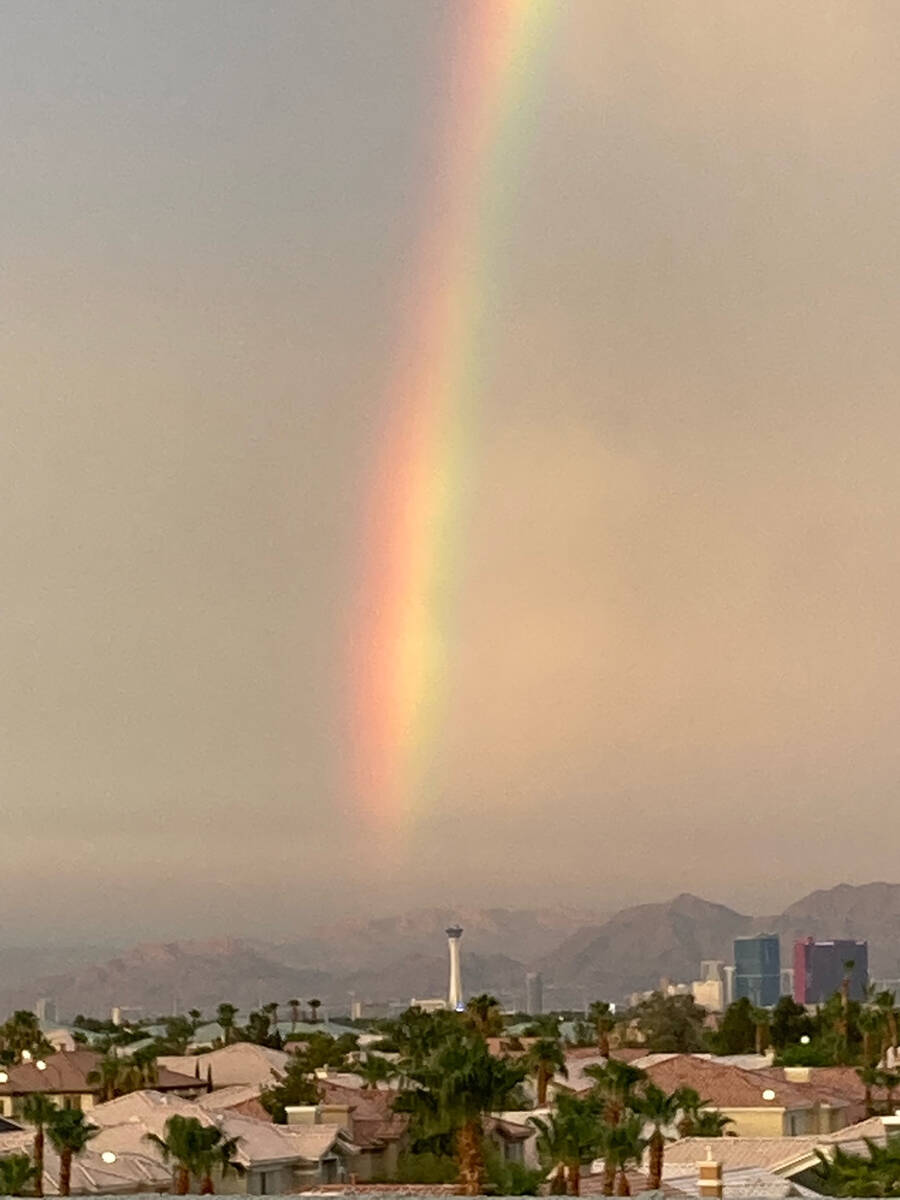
(676, 662)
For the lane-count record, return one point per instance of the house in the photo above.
(276, 1159)
(92, 1173)
(759, 1103)
(767, 1166)
(242, 1098)
(68, 1078)
(377, 1133)
(242, 1063)
(515, 1137)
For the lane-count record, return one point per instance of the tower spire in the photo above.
(455, 995)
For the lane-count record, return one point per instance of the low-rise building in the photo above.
(72, 1080)
(759, 1103)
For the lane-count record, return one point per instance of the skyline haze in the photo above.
(673, 653)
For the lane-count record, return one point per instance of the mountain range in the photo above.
(581, 956)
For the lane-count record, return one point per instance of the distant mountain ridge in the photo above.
(581, 956)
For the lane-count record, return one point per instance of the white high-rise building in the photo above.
(455, 995)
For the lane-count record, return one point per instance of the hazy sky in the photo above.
(677, 663)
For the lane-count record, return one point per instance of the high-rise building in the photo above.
(757, 969)
(534, 993)
(821, 967)
(45, 1009)
(455, 992)
(709, 989)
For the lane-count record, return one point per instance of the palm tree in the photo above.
(760, 1019)
(294, 1006)
(21, 1032)
(614, 1084)
(182, 1144)
(870, 1078)
(226, 1014)
(16, 1174)
(543, 1025)
(546, 1059)
(622, 1144)
(109, 1074)
(710, 1123)
(659, 1109)
(602, 1017)
(890, 1081)
(215, 1150)
(568, 1137)
(451, 1092)
(70, 1132)
(484, 1013)
(871, 1023)
(271, 1011)
(886, 1001)
(196, 1018)
(39, 1110)
(375, 1069)
(846, 1174)
(314, 1006)
(691, 1107)
(144, 1061)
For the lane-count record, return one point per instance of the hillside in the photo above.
(869, 911)
(638, 946)
(395, 958)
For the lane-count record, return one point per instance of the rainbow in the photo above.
(415, 511)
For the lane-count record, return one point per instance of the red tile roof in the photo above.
(727, 1086)
(66, 1072)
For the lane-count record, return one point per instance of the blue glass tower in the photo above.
(757, 969)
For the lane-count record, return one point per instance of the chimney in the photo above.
(301, 1114)
(796, 1074)
(710, 1181)
(334, 1114)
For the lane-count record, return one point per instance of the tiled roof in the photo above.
(311, 1142)
(135, 1170)
(241, 1063)
(776, 1154)
(738, 1184)
(125, 1121)
(67, 1071)
(735, 1153)
(726, 1086)
(592, 1185)
(372, 1113)
(229, 1097)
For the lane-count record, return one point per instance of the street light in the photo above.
(108, 1157)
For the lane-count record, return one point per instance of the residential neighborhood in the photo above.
(455, 1094)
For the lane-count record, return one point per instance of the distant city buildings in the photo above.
(45, 1010)
(534, 993)
(757, 969)
(709, 990)
(821, 967)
